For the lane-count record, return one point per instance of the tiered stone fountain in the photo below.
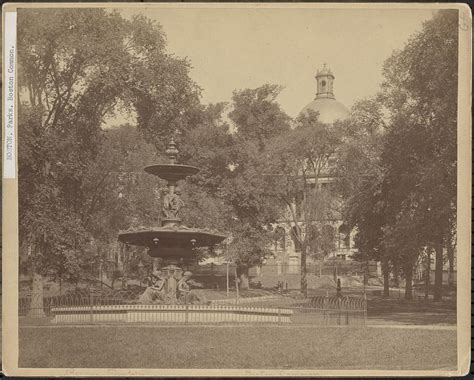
(172, 242)
(169, 299)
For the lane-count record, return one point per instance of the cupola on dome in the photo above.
(325, 103)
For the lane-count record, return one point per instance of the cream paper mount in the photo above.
(113, 270)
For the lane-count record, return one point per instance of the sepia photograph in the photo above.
(236, 189)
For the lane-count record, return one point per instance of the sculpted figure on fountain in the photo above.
(172, 203)
(155, 292)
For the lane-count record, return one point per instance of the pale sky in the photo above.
(245, 48)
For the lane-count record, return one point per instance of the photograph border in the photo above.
(10, 327)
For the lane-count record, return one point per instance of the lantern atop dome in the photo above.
(325, 80)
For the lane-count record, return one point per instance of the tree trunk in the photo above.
(450, 249)
(304, 281)
(386, 278)
(427, 273)
(438, 285)
(237, 293)
(106, 280)
(244, 277)
(396, 277)
(37, 298)
(36, 306)
(408, 284)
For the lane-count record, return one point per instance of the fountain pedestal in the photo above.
(173, 242)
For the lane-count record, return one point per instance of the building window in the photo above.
(280, 238)
(344, 237)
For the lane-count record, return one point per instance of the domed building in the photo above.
(325, 104)
(286, 257)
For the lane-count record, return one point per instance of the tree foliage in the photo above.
(399, 174)
(395, 159)
(296, 164)
(75, 68)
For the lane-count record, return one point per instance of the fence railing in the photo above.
(342, 268)
(124, 308)
(316, 309)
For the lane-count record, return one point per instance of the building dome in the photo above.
(325, 103)
(329, 110)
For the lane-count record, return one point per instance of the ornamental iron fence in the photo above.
(123, 307)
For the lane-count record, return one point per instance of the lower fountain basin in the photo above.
(171, 241)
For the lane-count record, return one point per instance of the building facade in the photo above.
(287, 252)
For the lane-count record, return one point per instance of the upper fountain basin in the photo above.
(171, 172)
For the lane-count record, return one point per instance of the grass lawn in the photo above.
(285, 347)
(415, 312)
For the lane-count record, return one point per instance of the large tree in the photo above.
(399, 176)
(76, 67)
(124, 195)
(360, 176)
(295, 165)
(420, 92)
(62, 76)
(208, 146)
(256, 114)
(256, 118)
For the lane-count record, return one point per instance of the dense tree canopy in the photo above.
(402, 182)
(394, 161)
(75, 68)
(256, 118)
